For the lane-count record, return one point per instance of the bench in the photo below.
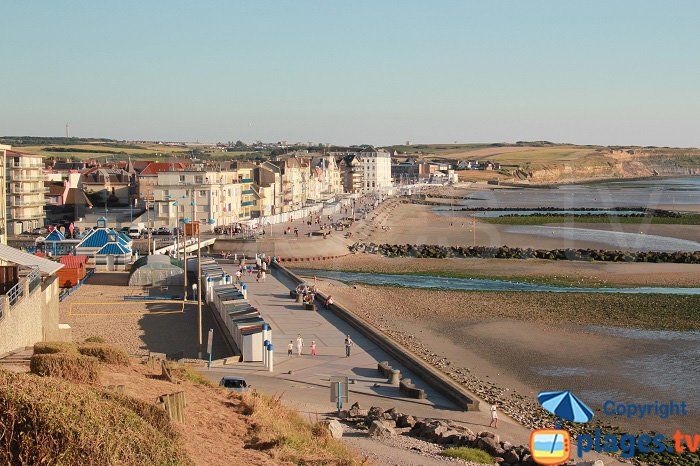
(407, 387)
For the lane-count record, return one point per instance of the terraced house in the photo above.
(25, 191)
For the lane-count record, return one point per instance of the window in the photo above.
(182, 178)
(202, 193)
(198, 179)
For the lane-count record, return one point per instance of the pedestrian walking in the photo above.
(238, 276)
(300, 344)
(348, 346)
(313, 348)
(494, 417)
(258, 276)
(290, 348)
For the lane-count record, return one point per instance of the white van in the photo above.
(135, 232)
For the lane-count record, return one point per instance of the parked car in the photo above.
(163, 231)
(135, 232)
(39, 231)
(234, 383)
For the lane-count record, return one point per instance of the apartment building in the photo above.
(268, 177)
(295, 175)
(210, 197)
(3, 195)
(245, 176)
(326, 174)
(351, 173)
(24, 192)
(111, 186)
(148, 177)
(376, 168)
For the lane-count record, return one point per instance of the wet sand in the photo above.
(399, 223)
(563, 272)
(503, 345)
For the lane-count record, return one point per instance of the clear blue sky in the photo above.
(375, 71)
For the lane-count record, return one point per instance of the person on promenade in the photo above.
(258, 276)
(494, 417)
(313, 348)
(348, 346)
(300, 344)
(238, 276)
(329, 301)
(290, 348)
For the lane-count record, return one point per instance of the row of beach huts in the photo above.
(242, 320)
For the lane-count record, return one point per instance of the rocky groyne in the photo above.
(433, 251)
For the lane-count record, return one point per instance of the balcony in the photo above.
(245, 180)
(247, 191)
(26, 178)
(25, 190)
(247, 203)
(28, 203)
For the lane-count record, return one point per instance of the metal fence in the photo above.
(16, 293)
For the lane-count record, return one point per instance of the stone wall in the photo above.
(34, 318)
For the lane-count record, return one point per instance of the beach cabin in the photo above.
(110, 249)
(74, 270)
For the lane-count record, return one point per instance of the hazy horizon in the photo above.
(382, 73)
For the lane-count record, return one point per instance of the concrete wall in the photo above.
(34, 318)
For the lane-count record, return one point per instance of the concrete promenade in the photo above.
(308, 381)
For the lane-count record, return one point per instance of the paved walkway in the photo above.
(308, 381)
(306, 388)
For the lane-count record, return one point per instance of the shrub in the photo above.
(67, 366)
(53, 347)
(94, 340)
(108, 354)
(468, 454)
(287, 436)
(184, 372)
(154, 415)
(54, 421)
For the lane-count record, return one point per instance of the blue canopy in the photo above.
(565, 405)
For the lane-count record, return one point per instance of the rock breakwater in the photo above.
(433, 251)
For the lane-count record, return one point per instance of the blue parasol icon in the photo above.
(565, 405)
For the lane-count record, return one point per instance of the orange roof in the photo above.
(73, 262)
(154, 168)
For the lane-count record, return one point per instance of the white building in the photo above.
(210, 197)
(376, 166)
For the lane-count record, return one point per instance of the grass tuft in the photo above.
(468, 454)
(286, 436)
(54, 421)
(69, 366)
(53, 347)
(108, 354)
(94, 339)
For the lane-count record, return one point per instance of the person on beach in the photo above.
(494, 417)
(313, 348)
(300, 344)
(348, 346)
(290, 348)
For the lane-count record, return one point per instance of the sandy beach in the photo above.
(505, 346)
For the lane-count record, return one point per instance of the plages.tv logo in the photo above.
(553, 446)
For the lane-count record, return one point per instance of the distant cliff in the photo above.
(618, 164)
